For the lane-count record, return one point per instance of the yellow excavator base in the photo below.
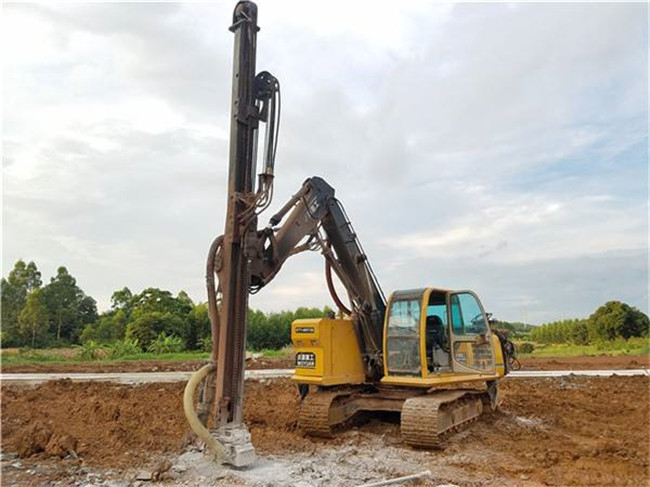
(327, 352)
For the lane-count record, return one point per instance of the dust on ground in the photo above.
(558, 431)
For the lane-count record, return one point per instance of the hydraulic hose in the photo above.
(201, 431)
(213, 307)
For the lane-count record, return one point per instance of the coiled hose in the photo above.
(201, 431)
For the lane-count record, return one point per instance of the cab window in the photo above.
(467, 317)
(403, 338)
(404, 318)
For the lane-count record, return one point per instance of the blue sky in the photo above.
(497, 147)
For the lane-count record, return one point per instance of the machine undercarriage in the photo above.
(426, 417)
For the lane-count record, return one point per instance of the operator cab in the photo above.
(429, 332)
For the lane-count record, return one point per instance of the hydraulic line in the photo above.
(213, 309)
(332, 289)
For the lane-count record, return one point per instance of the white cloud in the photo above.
(471, 136)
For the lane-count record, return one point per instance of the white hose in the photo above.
(201, 431)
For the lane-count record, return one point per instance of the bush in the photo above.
(89, 350)
(147, 327)
(124, 347)
(108, 328)
(205, 344)
(166, 344)
(526, 347)
(273, 330)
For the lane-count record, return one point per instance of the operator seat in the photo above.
(437, 345)
(435, 332)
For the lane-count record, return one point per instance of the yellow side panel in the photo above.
(499, 363)
(327, 352)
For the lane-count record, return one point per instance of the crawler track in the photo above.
(314, 415)
(428, 420)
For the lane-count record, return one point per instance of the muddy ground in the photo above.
(552, 363)
(567, 431)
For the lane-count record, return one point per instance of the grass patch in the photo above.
(74, 355)
(633, 346)
(284, 352)
(25, 357)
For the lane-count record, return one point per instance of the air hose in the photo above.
(201, 431)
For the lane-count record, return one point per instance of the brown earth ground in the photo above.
(598, 362)
(550, 363)
(567, 431)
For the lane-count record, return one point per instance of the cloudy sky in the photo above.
(500, 148)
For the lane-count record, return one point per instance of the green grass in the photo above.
(633, 346)
(53, 356)
(46, 356)
(282, 353)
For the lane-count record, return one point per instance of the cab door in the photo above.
(471, 344)
(402, 334)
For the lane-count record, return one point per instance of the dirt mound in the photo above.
(61, 445)
(110, 424)
(586, 363)
(33, 439)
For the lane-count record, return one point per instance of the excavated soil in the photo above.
(599, 362)
(567, 431)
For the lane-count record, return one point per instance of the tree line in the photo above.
(61, 314)
(611, 321)
(36, 315)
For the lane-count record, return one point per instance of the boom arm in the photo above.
(318, 219)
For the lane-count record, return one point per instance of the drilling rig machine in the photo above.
(383, 355)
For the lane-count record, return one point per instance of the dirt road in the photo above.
(563, 431)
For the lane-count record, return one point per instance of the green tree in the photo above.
(199, 327)
(154, 299)
(122, 299)
(148, 325)
(580, 332)
(274, 330)
(69, 307)
(34, 318)
(146, 315)
(108, 328)
(616, 319)
(23, 279)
